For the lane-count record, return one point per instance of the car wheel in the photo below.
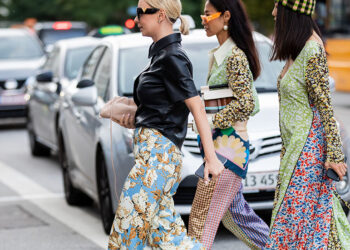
(36, 148)
(104, 195)
(73, 195)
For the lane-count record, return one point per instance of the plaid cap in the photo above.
(306, 7)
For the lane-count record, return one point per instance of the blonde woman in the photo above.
(164, 93)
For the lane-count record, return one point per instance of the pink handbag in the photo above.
(117, 106)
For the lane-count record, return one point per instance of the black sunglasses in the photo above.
(141, 11)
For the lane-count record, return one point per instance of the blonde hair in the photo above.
(172, 10)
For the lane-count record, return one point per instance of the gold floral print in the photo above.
(239, 79)
(316, 78)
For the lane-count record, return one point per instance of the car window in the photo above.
(75, 59)
(52, 62)
(102, 75)
(56, 62)
(91, 63)
(129, 68)
(50, 36)
(19, 48)
(267, 81)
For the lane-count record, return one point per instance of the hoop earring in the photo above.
(225, 27)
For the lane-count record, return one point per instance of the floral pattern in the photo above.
(316, 77)
(304, 218)
(230, 145)
(235, 71)
(306, 213)
(146, 217)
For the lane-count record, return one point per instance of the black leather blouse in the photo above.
(160, 90)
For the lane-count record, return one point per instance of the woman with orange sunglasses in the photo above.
(234, 64)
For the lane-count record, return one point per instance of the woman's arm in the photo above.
(212, 165)
(316, 78)
(239, 79)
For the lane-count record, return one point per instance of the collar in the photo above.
(164, 42)
(221, 52)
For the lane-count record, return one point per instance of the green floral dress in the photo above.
(307, 214)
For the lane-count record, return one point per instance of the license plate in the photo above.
(260, 181)
(12, 100)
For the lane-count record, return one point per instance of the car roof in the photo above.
(14, 32)
(77, 42)
(137, 40)
(49, 25)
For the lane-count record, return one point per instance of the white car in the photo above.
(44, 91)
(85, 139)
(21, 54)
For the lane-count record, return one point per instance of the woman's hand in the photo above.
(213, 167)
(127, 121)
(339, 168)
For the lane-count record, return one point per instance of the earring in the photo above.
(225, 27)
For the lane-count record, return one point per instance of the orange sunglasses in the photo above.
(207, 19)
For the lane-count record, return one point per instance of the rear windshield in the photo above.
(19, 48)
(129, 68)
(50, 36)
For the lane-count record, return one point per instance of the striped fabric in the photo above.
(224, 201)
(226, 188)
(242, 221)
(306, 7)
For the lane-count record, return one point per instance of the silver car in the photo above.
(21, 54)
(87, 143)
(44, 90)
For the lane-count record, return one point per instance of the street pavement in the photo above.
(34, 214)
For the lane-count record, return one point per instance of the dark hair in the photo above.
(292, 31)
(240, 30)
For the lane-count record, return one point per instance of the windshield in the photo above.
(267, 81)
(129, 68)
(19, 48)
(75, 59)
(50, 36)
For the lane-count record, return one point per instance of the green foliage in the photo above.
(101, 12)
(259, 12)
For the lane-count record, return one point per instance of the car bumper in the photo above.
(13, 111)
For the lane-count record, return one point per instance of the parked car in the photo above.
(86, 142)
(44, 90)
(51, 32)
(109, 30)
(21, 54)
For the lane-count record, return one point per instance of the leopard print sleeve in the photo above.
(316, 78)
(239, 79)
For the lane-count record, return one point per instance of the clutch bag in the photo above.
(117, 107)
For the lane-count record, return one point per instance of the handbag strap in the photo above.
(112, 161)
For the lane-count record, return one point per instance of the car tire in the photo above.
(73, 195)
(36, 148)
(104, 194)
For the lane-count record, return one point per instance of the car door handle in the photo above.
(77, 115)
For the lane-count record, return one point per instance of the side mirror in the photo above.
(85, 84)
(44, 77)
(85, 97)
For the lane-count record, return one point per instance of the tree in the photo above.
(102, 12)
(260, 14)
